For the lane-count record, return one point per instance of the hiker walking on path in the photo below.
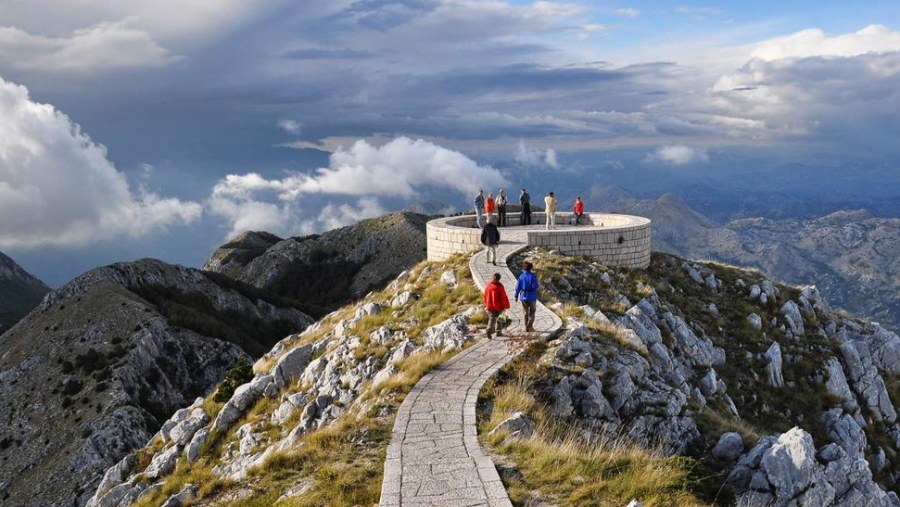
(490, 238)
(525, 201)
(550, 210)
(526, 292)
(495, 302)
(490, 207)
(501, 208)
(479, 208)
(578, 210)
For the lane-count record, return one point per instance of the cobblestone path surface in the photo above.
(434, 458)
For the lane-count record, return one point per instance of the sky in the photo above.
(162, 128)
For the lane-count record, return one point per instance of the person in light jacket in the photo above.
(501, 208)
(478, 202)
(550, 210)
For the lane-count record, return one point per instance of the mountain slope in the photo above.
(848, 255)
(325, 271)
(19, 292)
(96, 369)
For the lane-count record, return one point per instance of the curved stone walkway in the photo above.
(434, 458)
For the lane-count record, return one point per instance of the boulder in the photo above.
(163, 462)
(562, 399)
(181, 498)
(242, 399)
(403, 299)
(755, 320)
(866, 382)
(791, 313)
(113, 477)
(755, 291)
(837, 384)
(291, 365)
(449, 278)
(450, 334)
(729, 447)
(773, 368)
(693, 273)
(368, 310)
(518, 425)
(192, 450)
(184, 431)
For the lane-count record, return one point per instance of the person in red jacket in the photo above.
(490, 206)
(579, 210)
(495, 301)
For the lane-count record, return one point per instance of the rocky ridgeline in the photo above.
(327, 270)
(682, 356)
(96, 369)
(306, 382)
(20, 292)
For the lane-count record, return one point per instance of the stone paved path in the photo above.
(434, 458)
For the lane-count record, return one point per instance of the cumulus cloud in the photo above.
(527, 156)
(400, 169)
(679, 155)
(57, 186)
(289, 126)
(101, 46)
(814, 42)
(627, 11)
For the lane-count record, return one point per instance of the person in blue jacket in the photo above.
(526, 292)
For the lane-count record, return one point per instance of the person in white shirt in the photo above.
(550, 210)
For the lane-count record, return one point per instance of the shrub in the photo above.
(240, 374)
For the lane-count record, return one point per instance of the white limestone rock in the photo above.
(181, 498)
(184, 431)
(368, 310)
(837, 384)
(755, 321)
(163, 462)
(791, 313)
(450, 334)
(291, 365)
(244, 396)
(449, 278)
(192, 451)
(774, 375)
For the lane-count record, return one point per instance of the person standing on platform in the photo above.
(495, 302)
(490, 207)
(550, 210)
(578, 210)
(525, 201)
(478, 202)
(526, 292)
(501, 208)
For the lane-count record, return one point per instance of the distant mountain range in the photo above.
(851, 256)
(19, 292)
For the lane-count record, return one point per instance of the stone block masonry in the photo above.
(614, 240)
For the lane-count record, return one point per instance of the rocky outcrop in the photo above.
(328, 270)
(103, 363)
(20, 292)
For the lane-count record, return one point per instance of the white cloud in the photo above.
(814, 42)
(57, 187)
(698, 11)
(627, 11)
(101, 46)
(289, 126)
(679, 155)
(527, 156)
(401, 168)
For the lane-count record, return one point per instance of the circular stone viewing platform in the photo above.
(614, 240)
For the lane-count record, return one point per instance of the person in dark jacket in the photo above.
(495, 301)
(526, 292)
(490, 238)
(525, 201)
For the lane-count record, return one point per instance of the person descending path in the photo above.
(490, 238)
(495, 302)
(478, 202)
(526, 292)
(501, 208)
(489, 207)
(525, 201)
(550, 210)
(578, 210)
